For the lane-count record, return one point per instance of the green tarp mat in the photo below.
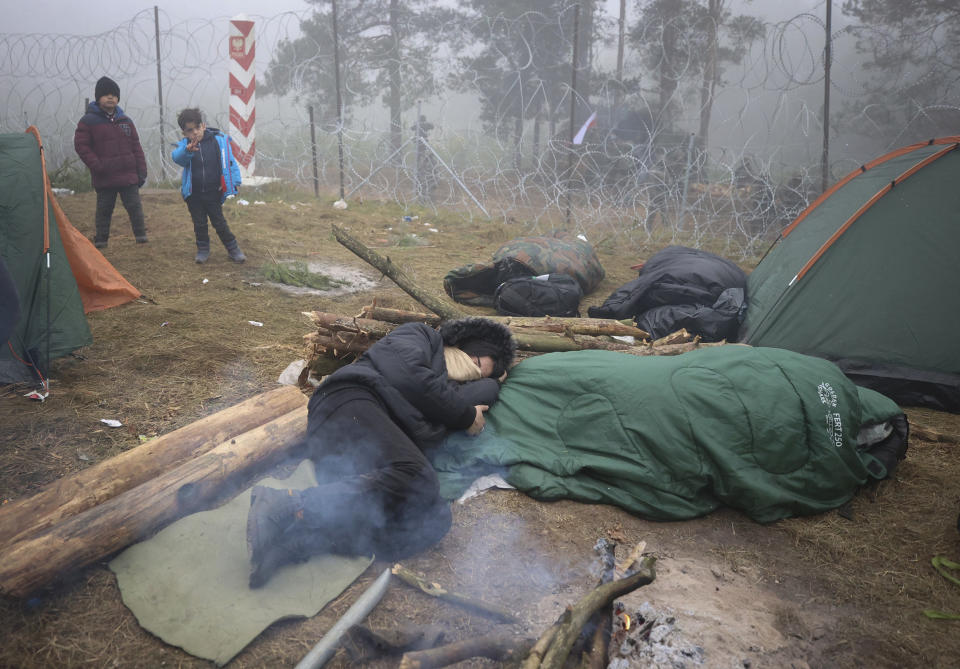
(766, 431)
(188, 583)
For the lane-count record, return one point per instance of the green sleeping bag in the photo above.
(767, 431)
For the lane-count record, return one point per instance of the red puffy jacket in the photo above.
(110, 148)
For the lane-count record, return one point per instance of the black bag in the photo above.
(544, 295)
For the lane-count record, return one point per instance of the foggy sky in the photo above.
(90, 18)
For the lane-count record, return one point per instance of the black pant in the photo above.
(378, 492)
(107, 200)
(206, 205)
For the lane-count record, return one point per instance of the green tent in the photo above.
(52, 321)
(867, 277)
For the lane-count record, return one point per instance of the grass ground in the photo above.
(845, 591)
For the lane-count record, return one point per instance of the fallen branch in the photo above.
(435, 590)
(621, 568)
(502, 647)
(397, 275)
(593, 601)
(535, 656)
(595, 654)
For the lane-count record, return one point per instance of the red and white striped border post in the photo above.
(243, 84)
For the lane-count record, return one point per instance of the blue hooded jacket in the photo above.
(228, 165)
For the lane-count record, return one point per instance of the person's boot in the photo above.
(233, 250)
(291, 549)
(273, 520)
(102, 233)
(203, 252)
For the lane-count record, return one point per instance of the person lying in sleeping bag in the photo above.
(767, 431)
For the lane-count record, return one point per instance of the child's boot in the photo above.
(233, 250)
(139, 227)
(203, 252)
(101, 237)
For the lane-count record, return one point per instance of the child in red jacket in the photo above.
(107, 142)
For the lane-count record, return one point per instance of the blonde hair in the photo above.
(460, 366)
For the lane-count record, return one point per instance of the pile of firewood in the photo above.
(342, 337)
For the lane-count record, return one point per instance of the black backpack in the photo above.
(544, 295)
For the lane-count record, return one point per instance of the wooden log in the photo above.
(677, 349)
(678, 337)
(549, 342)
(542, 645)
(668, 349)
(335, 344)
(340, 335)
(528, 344)
(595, 654)
(91, 486)
(370, 327)
(502, 647)
(435, 590)
(546, 342)
(586, 326)
(195, 485)
(398, 316)
(435, 304)
(602, 596)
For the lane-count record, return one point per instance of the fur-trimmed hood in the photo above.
(460, 330)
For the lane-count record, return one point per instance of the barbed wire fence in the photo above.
(734, 195)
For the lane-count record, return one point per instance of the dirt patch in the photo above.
(826, 591)
(348, 280)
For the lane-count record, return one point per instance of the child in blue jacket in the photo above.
(210, 174)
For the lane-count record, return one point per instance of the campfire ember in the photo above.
(623, 616)
(650, 638)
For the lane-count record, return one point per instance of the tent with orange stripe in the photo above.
(57, 274)
(867, 276)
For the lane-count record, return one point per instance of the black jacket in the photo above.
(407, 371)
(110, 147)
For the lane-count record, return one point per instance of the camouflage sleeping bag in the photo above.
(561, 253)
(767, 431)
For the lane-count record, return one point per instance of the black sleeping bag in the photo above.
(681, 287)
